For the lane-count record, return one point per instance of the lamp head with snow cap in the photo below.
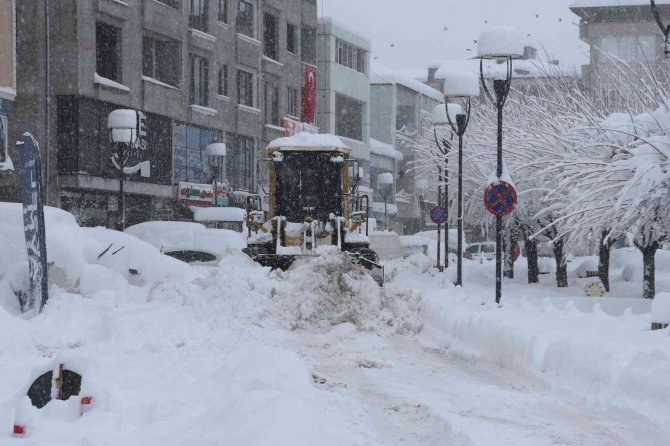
(500, 43)
(216, 152)
(123, 126)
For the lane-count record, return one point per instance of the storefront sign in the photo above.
(203, 193)
(292, 127)
(309, 94)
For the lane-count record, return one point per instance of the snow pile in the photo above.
(616, 360)
(331, 290)
(82, 260)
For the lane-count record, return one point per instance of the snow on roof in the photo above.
(332, 21)
(522, 68)
(384, 75)
(309, 141)
(612, 3)
(219, 214)
(383, 149)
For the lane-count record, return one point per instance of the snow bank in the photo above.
(330, 290)
(617, 360)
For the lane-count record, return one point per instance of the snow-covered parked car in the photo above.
(189, 242)
(81, 260)
(480, 251)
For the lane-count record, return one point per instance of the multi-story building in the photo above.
(618, 33)
(343, 88)
(400, 103)
(202, 71)
(7, 73)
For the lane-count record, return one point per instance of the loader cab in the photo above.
(308, 184)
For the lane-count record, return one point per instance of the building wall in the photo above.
(336, 79)
(71, 68)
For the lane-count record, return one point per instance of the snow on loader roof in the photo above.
(308, 142)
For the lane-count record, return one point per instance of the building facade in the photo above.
(7, 75)
(343, 88)
(400, 104)
(622, 33)
(202, 71)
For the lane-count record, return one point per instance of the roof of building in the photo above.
(613, 3)
(384, 75)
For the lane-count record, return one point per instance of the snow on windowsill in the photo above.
(120, 2)
(202, 35)
(157, 82)
(270, 59)
(224, 24)
(223, 97)
(203, 110)
(108, 83)
(248, 39)
(7, 93)
(275, 127)
(249, 109)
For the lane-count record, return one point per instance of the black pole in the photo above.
(122, 196)
(446, 206)
(501, 88)
(439, 200)
(459, 255)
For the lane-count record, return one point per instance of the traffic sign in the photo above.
(500, 199)
(438, 215)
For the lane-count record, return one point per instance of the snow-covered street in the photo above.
(243, 355)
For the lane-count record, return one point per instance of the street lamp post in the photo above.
(501, 44)
(462, 87)
(127, 132)
(385, 185)
(443, 149)
(216, 153)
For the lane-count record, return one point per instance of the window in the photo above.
(245, 88)
(308, 45)
(629, 48)
(245, 18)
(223, 11)
(108, 51)
(293, 102)
(173, 3)
(271, 104)
(199, 80)
(348, 118)
(223, 80)
(350, 56)
(270, 35)
(198, 18)
(239, 161)
(161, 60)
(189, 157)
(291, 39)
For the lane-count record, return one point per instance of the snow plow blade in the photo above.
(376, 270)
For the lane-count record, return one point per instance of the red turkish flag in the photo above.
(309, 95)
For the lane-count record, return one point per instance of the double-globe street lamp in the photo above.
(461, 87)
(216, 154)
(502, 44)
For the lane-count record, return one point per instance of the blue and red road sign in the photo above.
(500, 199)
(439, 215)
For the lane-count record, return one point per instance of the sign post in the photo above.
(439, 215)
(500, 200)
(33, 224)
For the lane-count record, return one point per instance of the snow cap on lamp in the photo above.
(500, 43)
(385, 178)
(123, 125)
(216, 149)
(439, 115)
(461, 85)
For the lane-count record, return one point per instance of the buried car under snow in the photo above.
(189, 242)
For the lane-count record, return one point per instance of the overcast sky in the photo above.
(410, 34)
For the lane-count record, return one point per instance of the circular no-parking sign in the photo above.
(500, 198)
(438, 214)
